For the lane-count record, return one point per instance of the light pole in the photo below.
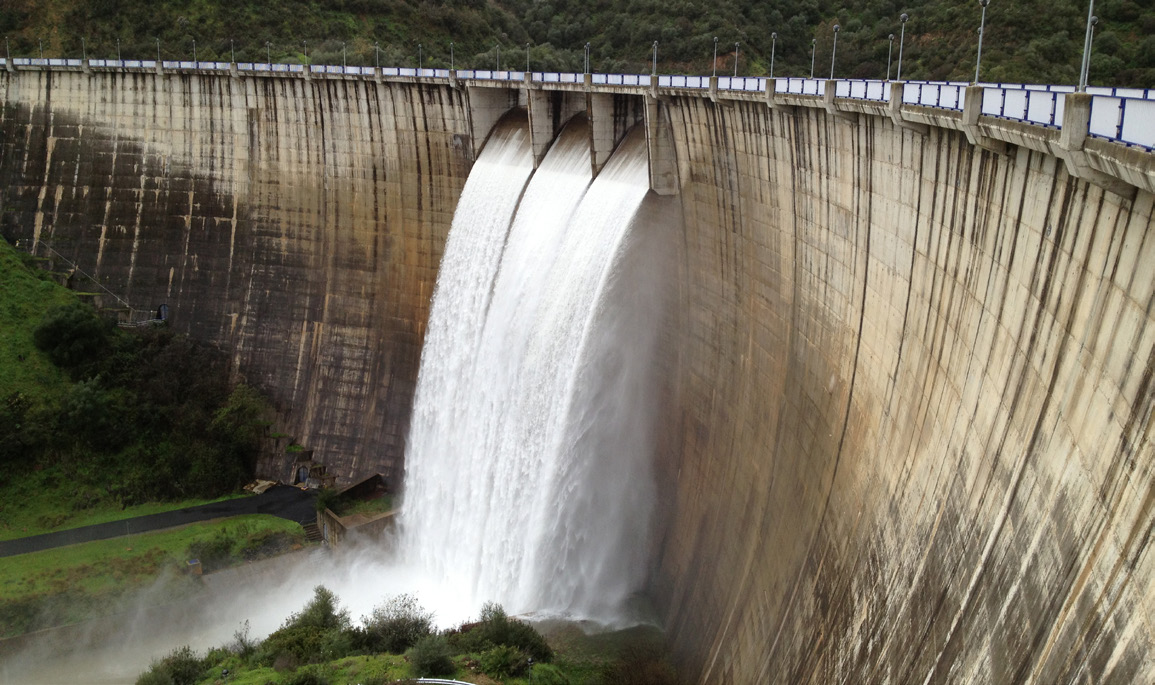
(41, 42)
(420, 58)
(195, 63)
(982, 25)
(773, 44)
(83, 47)
(158, 51)
(497, 49)
(587, 58)
(342, 56)
(889, 51)
(901, 37)
(655, 69)
(451, 55)
(269, 54)
(527, 58)
(232, 52)
(715, 72)
(1091, 21)
(834, 51)
(118, 51)
(736, 54)
(813, 46)
(306, 44)
(377, 55)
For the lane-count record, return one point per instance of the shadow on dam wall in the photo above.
(299, 225)
(907, 436)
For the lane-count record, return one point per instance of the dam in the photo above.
(906, 400)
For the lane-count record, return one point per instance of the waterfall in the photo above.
(528, 478)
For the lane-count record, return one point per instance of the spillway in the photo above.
(530, 480)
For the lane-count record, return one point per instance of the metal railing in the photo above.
(1124, 115)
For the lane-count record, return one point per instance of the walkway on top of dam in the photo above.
(282, 501)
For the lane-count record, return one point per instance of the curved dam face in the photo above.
(912, 411)
(906, 434)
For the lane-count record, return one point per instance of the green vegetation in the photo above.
(1026, 40)
(95, 418)
(320, 646)
(72, 583)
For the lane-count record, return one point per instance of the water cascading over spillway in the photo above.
(528, 479)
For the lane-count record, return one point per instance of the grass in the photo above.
(24, 295)
(350, 507)
(68, 584)
(45, 501)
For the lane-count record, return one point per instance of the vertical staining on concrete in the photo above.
(264, 211)
(989, 508)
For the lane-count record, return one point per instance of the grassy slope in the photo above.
(91, 576)
(43, 501)
(25, 294)
(1026, 40)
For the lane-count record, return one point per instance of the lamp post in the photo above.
(118, 51)
(451, 55)
(377, 54)
(158, 51)
(195, 63)
(715, 72)
(497, 49)
(232, 52)
(736, 55)
(773, 44)
(587, 58)
(41, 42)
(420, 58)
(655, 69)
(527, 58)
(901, 37)
(982, 25)
(1085, 67)
(306, 44)
(889, 51)
(269, 54)
(813, 46)
(83, 48)
(834, 51)
(342, 56)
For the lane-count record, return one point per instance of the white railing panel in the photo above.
(878, 90)
(1015, 104)
(1040, 107)
(1139, 122)
(570, 78)
(1105, 116)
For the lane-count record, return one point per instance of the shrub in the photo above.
(547, 674)
(321, 612)
(503, 662)
(309, 675)
(73, 336)
(431, 656)
(397, 625)
(497, 629)
(319, 632)
(181, 667)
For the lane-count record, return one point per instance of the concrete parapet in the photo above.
(486, 106)
(972, 110)
(660, 147)
(1073, 136)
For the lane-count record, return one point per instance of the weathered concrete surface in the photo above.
(913, 389)
(297, 223)
(910, 380)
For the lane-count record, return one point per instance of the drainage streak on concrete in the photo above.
(907, 436)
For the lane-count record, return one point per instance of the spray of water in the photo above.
(528, 478)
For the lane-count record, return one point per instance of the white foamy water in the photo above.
(528, 479)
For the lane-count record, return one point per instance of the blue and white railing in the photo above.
(1124, 115)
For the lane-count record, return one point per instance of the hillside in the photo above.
(1026, 40)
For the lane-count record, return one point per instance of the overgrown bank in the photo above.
(321, 645)
(105, 417)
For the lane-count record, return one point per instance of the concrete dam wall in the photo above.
(299, 224)
(908, 431)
